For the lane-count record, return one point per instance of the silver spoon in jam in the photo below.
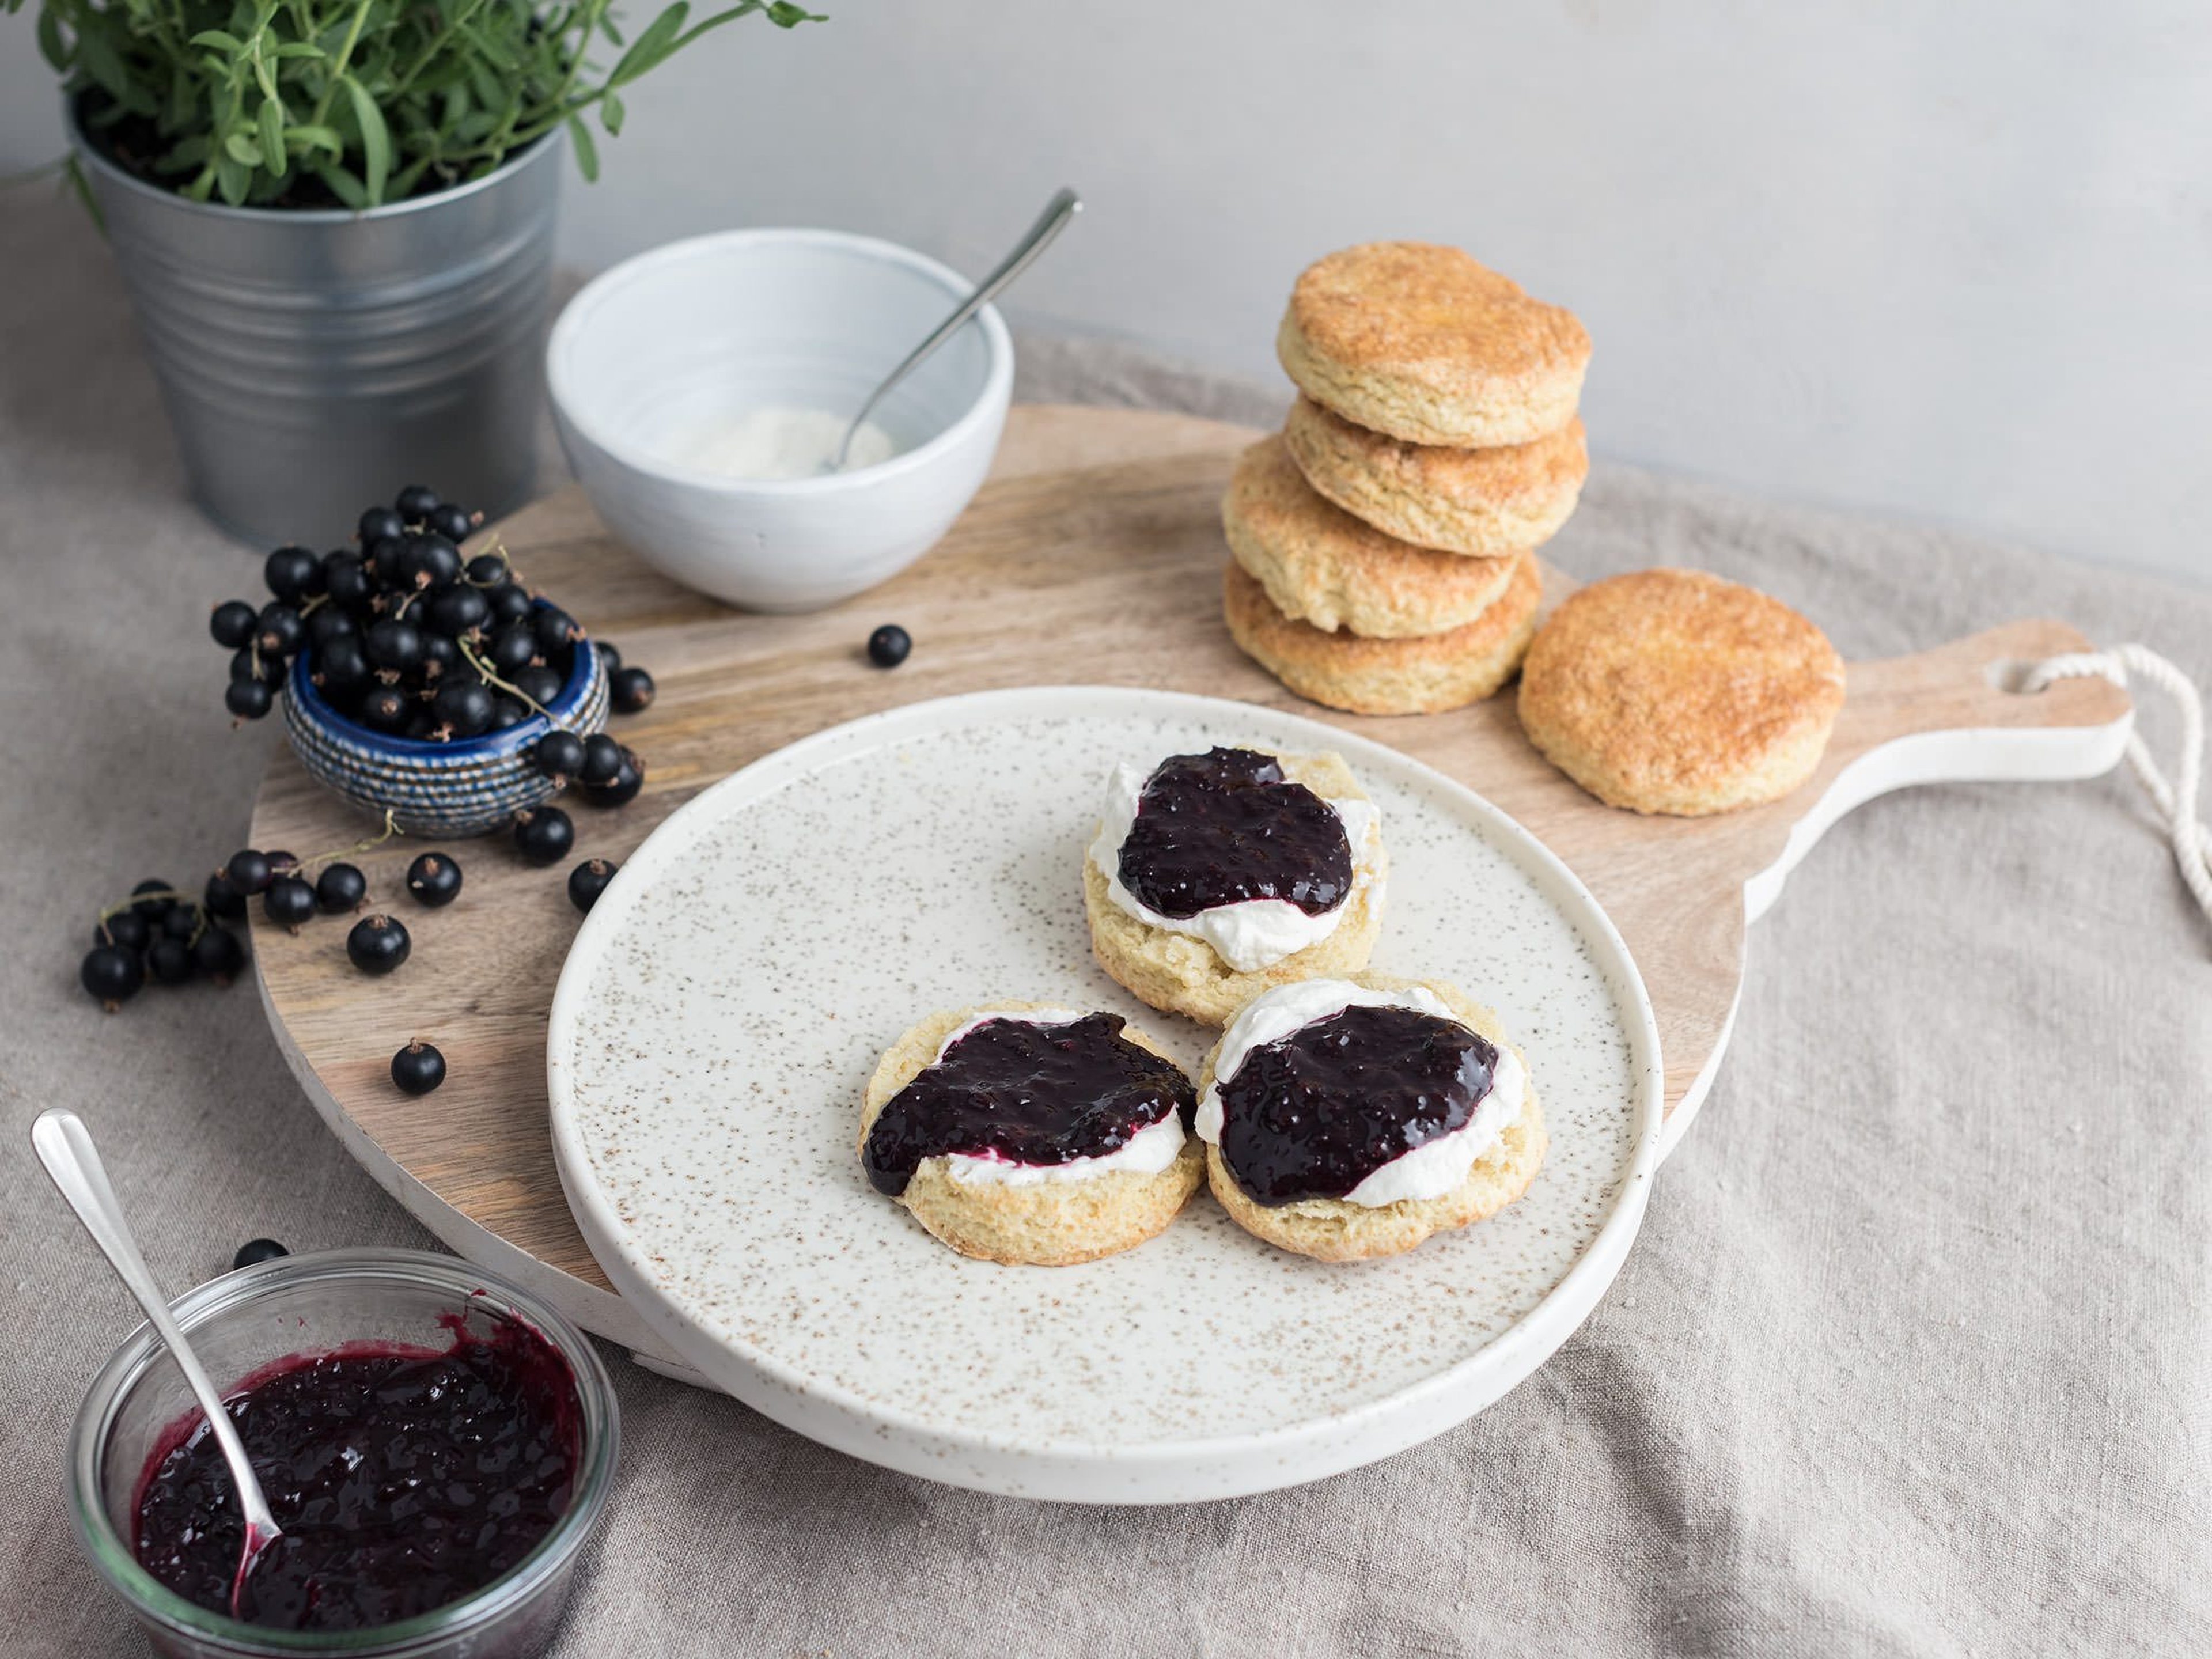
(64, 1147)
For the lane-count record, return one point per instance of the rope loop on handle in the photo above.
(2176, 799)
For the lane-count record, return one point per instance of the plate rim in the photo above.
(607, 1237)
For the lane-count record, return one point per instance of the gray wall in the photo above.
(1952, 262)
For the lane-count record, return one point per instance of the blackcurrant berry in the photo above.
(888, 645)
(330, 623)
(630, 690)
(290, 901)
(292, 572)
(340, 664)
(281, 630)
(621, 789)
(420, 727)
(602, 759)
(378, 944)
(511, 650)
(178, 921)
(451, 521)
(433, 562)
(256, 1250)
(435, 879)
(247, 662)
(112, 974)
(340, 888)
(416, 503)
(441, 658)
(387, 561)
(146, 899)
(218, 955)
(486, 569)
(555, 628)
(509, 604)
(281, 863)
(609, 658)
(233, 623)
(249, 699)
(544, 834)
(249, 871)
(463, 709)
(169, 961)
(345, 578)
(385, 709)
(505, 712)
(538, 683)
(559, 754)
(221, 897)
(126, 928)
(378, 523)
(588, 880)
(391, 643)
(456, 610)
(418, 1069)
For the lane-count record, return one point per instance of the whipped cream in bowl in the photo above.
(1249, 934)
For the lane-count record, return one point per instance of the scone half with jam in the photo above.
(1211, 877)
(1353, 1118)
(1025, 1132)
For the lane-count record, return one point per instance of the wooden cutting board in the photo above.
(1093, 556)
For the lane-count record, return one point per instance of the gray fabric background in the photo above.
(1911, 1357)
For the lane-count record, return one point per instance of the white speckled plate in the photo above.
(723, 1007)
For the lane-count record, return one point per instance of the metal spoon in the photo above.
(1064, 205)
(64, 1147)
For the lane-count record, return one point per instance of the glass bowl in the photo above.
(310, 1304)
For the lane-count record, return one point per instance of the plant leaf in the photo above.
(52, 46)
(784, 14)
(306, 136)
(587, 153)
(375, 139)
(343, 184)
(611, 114)
(219, 39)
(300, 49)
(231, 179)
(243, 148)
(650, 47)
(272, 134)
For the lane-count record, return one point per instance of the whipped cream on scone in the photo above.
(1288, 1152)
(1247, 933)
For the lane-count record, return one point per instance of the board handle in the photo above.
(1958, 714)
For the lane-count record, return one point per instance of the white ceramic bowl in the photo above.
(674, 341)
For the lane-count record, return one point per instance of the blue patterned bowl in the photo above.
(467, 788)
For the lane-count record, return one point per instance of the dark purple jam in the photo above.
(1226, 826)
(1315, 1114)
(403, 1478)
(1027, 1094)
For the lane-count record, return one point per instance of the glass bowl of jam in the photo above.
(436, 1444)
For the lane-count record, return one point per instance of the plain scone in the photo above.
(1182, 974)
(1320, 565)
(1423, 675)
(1050, 1224)
(1334, 1229)
(1674, 691)
(1483, 502)
(1424, 343)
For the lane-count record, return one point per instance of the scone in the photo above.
(1322, 566)
(1023, 1132)
(1346, 1119)
(1416, 676)
(1213, 877)
(1481, 502)
(1422, 343)
(1674, 691)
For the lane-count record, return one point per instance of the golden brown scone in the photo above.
(1674, 691)
(1418, 676)
(1488, 502)
(1050, 1224)
(1183, 975)
(1322, 566)
(1422, 343)
(1334, 1229)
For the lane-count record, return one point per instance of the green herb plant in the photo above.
(303, 102)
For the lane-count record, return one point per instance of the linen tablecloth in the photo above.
(1912, 1356)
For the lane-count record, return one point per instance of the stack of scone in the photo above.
(1384, 542)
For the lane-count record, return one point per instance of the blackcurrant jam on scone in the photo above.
(1353, 1118)
(1023, 1132)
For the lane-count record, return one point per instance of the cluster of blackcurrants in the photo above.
(163, 934)
(404, 636)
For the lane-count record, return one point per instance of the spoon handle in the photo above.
(64, 1147)
(1064, 205)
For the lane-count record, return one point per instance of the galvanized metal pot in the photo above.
(313, 362)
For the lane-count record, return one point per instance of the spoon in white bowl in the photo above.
(1064, 205)
(64, 1147)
